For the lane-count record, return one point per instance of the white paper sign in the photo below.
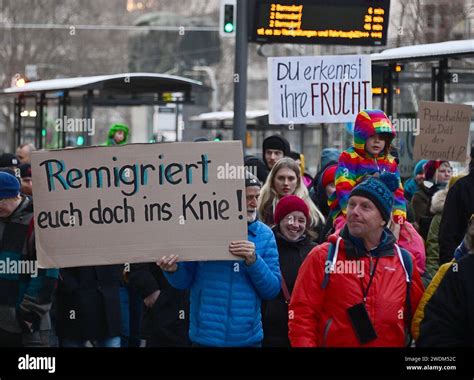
(320, 89)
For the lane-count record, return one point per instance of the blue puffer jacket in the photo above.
(226, 295)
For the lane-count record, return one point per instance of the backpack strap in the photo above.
(30, 238)
(407, 263)
(331, 259)
(284, 289)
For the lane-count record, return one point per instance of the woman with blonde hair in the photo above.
(285, 179)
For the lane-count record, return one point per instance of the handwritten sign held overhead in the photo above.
(321, 89)
(137, 203)
(444, 131)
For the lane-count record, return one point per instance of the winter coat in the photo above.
(167, 322)
(421, 203)
(432, 246)
(355, 163)
(458, 208)
(88, 302)
(320, 317)
(226, 296)
(275, 313)
(430, 290)
(25, 296)
(449, 314)
(464, 249)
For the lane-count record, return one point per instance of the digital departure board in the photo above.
(346, 22)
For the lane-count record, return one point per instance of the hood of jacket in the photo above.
(369, 123)
(25, 208)
(430, 188)
(119, 127)
(354, 247)
(437, 201)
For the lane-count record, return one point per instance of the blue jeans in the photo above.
(111, 342)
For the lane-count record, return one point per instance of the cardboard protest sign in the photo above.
(138, 203)
(320, 89)
(444, 131)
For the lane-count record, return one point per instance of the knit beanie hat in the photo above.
(9, 186)
(329, 155)
(289, 204)
(25, 170)
(251, 180)
(277, 142)
(329, 175)
(295, 155)
(7, 160)
(431, 167)
(256, 166)
(419, 167)
(379, 191)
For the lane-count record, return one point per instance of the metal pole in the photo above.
(240, 76)
(389, 109)
(433, 83)
(64, 114)
(443, 69)
(89, 99)
(177, 122)
(40, 118)
(17, 121)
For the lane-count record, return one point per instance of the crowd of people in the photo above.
(341, 259)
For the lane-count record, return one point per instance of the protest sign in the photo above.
(138, 203)
(444, 131)
(320, 89)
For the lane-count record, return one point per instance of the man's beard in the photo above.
(251, 217)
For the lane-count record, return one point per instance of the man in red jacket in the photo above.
(359, 289)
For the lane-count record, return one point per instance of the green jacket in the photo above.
(432, 245)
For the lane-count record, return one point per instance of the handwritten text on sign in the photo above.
(321, 89)
(444, 131)
(137, 203)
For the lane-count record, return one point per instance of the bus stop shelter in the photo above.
(87, 93)
(442, 62)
